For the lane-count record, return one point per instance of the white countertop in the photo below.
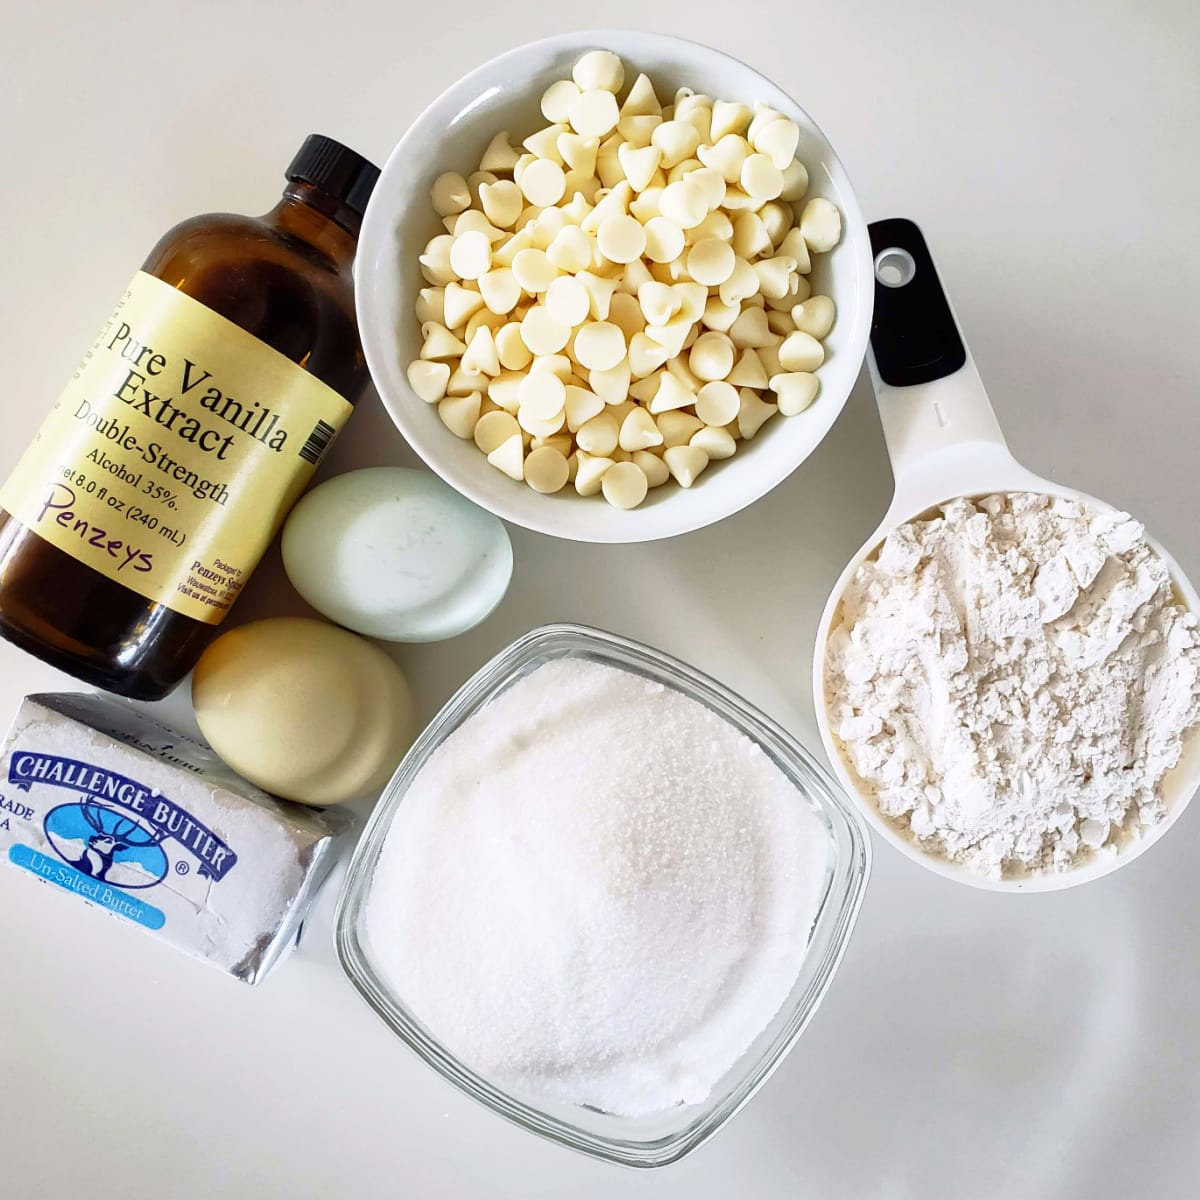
(973, 1045)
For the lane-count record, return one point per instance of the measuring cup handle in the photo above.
(929, 394)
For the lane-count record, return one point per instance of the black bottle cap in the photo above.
(336, 170)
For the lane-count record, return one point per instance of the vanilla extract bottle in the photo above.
(191, 427)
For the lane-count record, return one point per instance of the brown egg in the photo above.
(305, 710)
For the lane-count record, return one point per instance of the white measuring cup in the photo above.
(944, 443)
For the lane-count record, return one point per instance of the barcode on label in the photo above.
(318, 442)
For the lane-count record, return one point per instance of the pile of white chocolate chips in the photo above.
(628, 298)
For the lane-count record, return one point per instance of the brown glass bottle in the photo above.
(286, 279)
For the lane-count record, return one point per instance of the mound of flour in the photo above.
(597, 891)
(1013, 679)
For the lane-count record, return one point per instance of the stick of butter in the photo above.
(102, 801)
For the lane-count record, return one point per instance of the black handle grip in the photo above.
(913, 335)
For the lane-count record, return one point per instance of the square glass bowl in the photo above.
(667, 1136)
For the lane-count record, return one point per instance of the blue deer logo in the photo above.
(109, 839)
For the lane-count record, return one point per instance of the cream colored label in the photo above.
(173, 455)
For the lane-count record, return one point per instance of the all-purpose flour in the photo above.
(1013, 679)
(597, 891)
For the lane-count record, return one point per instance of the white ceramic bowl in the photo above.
(451, 135)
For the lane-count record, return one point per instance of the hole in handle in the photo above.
(895, 267)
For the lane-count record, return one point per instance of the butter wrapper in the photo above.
(130, 816)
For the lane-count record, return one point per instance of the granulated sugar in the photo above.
(1013, 679)
(597, 891)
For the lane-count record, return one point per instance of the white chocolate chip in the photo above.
(567, 300)
(711, 358)
(543, 182)
(639, 165)
(590, 473)
(599, 435)
(677, 140)
(659, 302)
(599, 70)
(435, 262)
(449, 194)
(537, 428)
(431, 304)
(495, 428)
(637, 132)
(641, 100)
(542, 333)
(612, 384)
(764, 114)
(439, 342)
(726, 157)
(594, 113)
(544, 143)
(652, 467)
(741, 284)
(717, 403)
(794, 246)
(711, 262)
(463, 383)
(502, 202)
(686, 463)
(800, 352)
(480, 355)
(664, 240)
(753, 413)
(795, 181)
(514, 355)
(571, 250)
(581, 406)
(774, 275)
(751, 330)
(716, 441)
(796, 390)
(459, 305)
(750, 238)
(638, 430)
(645, 355)
(599, 346)
(546, 470)
(500, 155)
(678, 427)
(428, 379)
(671, 394)
(509, 456)
(777, 219)
(624, 485)
(821, 224)
(626, 314)
(500, 290)
(719, 315)
(621, 239)
(778, 140)
(715, 225)
(470, 254)
(815, 316)
(460, 414)
(534, 271)
(483, 318)
(748, 372)
(729, 117)
(556, 100)
(542, 396)
(505, 390)
(761, 178)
